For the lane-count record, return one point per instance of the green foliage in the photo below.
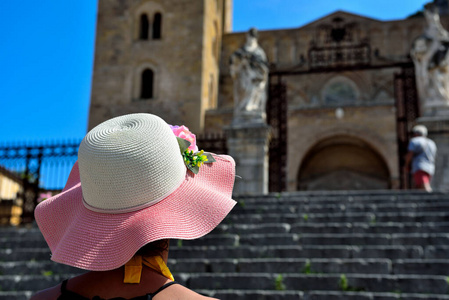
(242, 203)
(343, 284)
(307, 267)
(47, 273)
(305, 217)
(278, 284)
(179, 243)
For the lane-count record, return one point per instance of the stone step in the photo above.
(257, 265)
(46, 268)
(315, 295)
(284, 265)
(31, 282)
(421, 266)
(273, 251)
(311, 266)
(257, 208)
(28, 232)
(344, 227)
(311, 251)
(332, 198)
(316, 228)
(305, 227)
(345, 239)
(14, 295)
(423, 284)
(25, 254)
(370, 218)
(389, 227)
(283, 239)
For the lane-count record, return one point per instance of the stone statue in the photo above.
(249, 71)
(431, 58)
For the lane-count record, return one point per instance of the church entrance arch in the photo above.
(343, 163)
(338, 48)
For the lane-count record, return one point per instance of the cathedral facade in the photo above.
(347, 80)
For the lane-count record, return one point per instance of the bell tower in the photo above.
(158, 56)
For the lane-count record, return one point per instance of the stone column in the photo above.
(248, 144)
(438, 131)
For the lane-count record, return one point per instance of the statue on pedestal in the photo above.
(249, 71)
(431, 57)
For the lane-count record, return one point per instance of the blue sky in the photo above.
(47, 47)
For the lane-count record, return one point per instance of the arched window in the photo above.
(146, 87)
(157, 26)
(340, 91)
(144, 27)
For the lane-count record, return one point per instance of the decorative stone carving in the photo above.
(431, 58)
(249, 71)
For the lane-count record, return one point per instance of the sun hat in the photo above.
(129, 187)
(420, 130)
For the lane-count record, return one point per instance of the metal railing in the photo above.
(30, 172)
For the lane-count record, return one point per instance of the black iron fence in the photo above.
(214, 142)
(30, 173)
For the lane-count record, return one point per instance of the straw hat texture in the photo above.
(130, 187)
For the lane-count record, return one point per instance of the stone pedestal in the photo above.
(248, 144)
(435, 109)
(438, 131)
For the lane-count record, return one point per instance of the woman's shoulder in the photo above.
(177, 291)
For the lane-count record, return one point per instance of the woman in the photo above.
(136, 184)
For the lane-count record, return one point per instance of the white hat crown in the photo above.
(128, 163)
(420, 129)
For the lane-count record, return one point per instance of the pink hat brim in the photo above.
(97, 241)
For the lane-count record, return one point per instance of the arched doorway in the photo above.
(343, 163)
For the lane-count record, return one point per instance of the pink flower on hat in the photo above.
(184, 133)
(44, 196)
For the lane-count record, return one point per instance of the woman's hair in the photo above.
(155, 248)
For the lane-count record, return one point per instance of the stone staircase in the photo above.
(312, 245)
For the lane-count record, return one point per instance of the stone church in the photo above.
(346, 83)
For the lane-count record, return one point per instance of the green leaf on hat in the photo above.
(210, 158)
(194, 169)
(183, 144)
(192, 160)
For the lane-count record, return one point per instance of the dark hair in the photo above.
(155, 248)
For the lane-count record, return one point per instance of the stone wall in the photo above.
(184, 60)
